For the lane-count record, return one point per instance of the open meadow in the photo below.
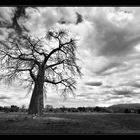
(70, 123)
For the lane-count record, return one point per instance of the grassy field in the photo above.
(70, 123)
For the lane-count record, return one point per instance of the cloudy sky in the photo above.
(108, 52)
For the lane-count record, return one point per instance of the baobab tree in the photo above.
(40, 62)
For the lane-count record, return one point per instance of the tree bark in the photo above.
(36, 103)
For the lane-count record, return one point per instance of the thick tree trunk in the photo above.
(36, 103)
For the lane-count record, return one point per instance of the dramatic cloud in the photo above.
(4, 97)
(108, 52)
(42, 18)
(109, 37)
(93, 83)
(113, 38)
(6, 13)
(125, 91)
(68, 14)
(136, 84)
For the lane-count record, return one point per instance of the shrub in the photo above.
(127, 110)
(138, 110)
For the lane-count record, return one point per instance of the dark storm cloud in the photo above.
(111, 37)
(79, 18)
(131, 83)
(114, 40)
(108, 66)
(4, 97)
(81, 95)
(118, 44)
(124, 92)
(116, 68)
(135, 84)
(93, 83)
(108, 86)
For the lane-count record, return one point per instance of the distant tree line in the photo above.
(13, 108)
(50, 108)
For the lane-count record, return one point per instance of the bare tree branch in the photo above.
(52, 65)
